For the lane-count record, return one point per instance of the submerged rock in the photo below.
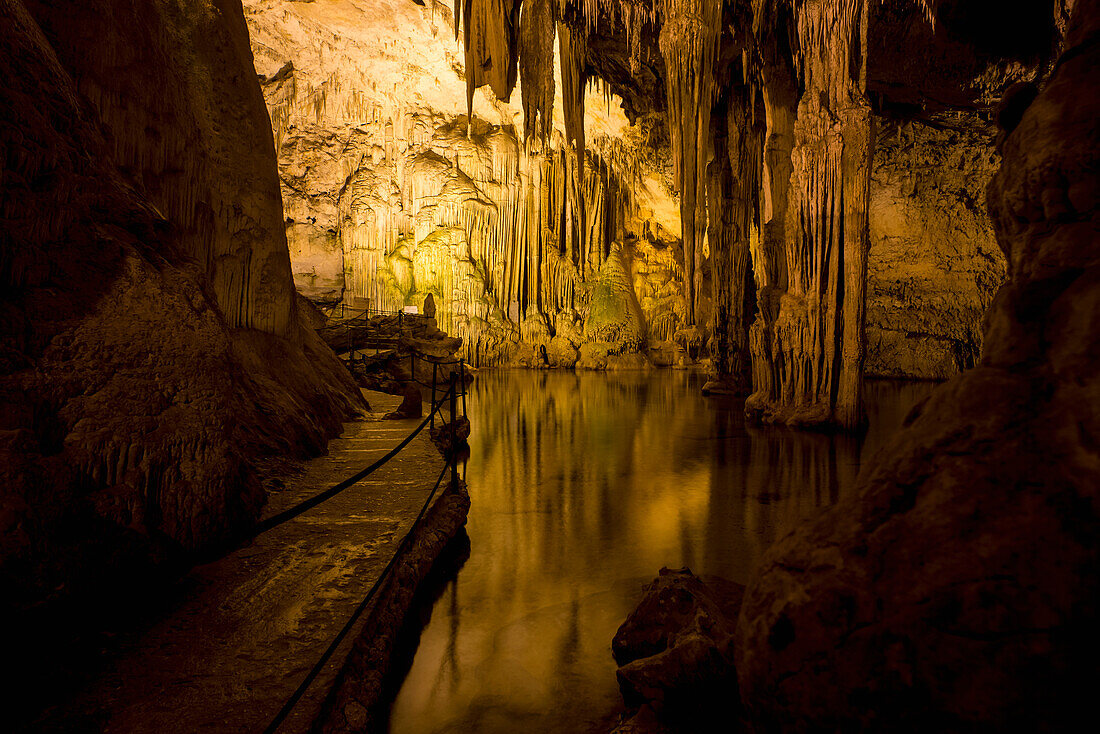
(675, 650)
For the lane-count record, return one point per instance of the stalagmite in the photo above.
(689, 43)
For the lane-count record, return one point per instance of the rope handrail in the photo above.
(308, 504)
(315, 671)
(451, 394)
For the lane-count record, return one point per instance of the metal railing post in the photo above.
(454, 431)
(462, 374)
(435, 370)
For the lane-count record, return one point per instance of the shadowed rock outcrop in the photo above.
(675, 649)
(152, 356)
(957, 589)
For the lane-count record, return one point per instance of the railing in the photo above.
(415, 354)
(451, 397)
(346, 311)
(436, 363)
(349, 317)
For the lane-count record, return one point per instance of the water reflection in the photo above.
(583, 486)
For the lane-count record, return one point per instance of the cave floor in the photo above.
(249, 626)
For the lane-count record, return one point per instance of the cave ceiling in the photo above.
(926, 57)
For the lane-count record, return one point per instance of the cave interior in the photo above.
(227, 226)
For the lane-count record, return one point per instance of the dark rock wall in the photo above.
(186, 121)
(136, 407)
(957, 589)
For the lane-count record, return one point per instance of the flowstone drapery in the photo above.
(733, 219)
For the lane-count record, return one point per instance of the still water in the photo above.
(583, 486)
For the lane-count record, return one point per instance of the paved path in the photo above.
(253, 623)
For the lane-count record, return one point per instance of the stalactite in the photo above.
(689, 44)
(491, 46)
(572, 50)
(507, 227)
(536, 68)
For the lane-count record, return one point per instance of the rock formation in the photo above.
(153, 354)
(393, 191)
(675, 651)
(934, 264)
(808, 341)
(956, 590)
(422, 164)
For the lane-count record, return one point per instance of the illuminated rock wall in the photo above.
(390, 194)
(934, 264)
(381, 171)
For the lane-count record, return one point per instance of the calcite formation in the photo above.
(494, 173)
(733, 208)
(689, 43)
(809, 339)
(393, 191)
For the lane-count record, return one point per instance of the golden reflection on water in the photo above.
(583, 486)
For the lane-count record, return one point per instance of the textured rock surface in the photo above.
(389, 199)
(808, 342)
(934, 264)
(390, 195)
(956, 590)
(186, 124)
(140, 241)
(675, 651)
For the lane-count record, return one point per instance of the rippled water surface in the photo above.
(583, 487)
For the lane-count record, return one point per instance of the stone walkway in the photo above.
(254, 622)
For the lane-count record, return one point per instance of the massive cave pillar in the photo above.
(780, 98)
(689, 44)
(732, 206)
(140, 230)
(954, 590)
(176, 92)
(809, 344)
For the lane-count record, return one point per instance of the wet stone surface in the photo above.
(249, 627)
